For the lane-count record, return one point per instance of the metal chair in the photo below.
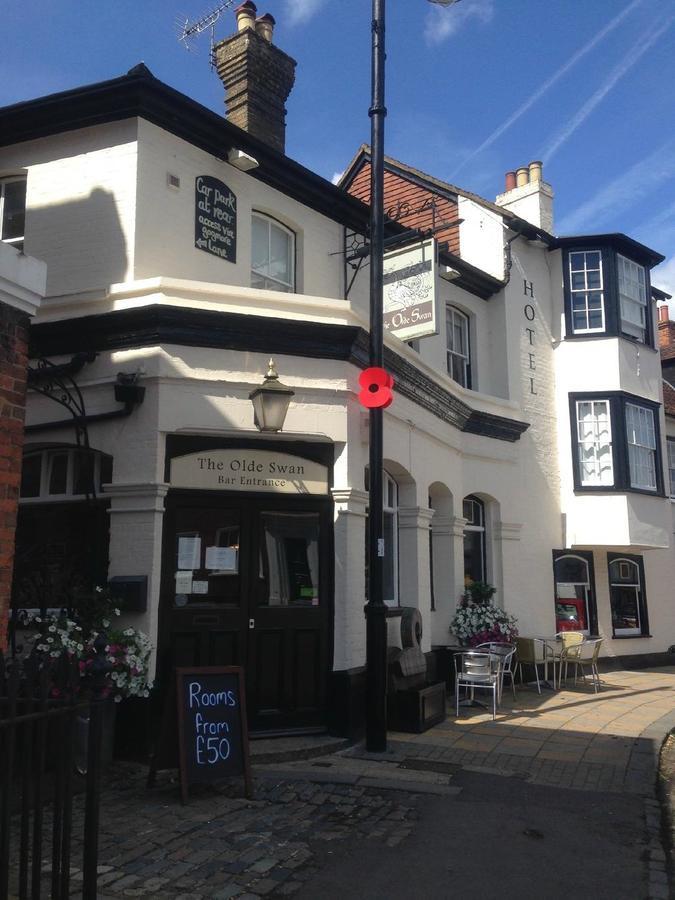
(476, 670)
(585, 654)
(505, 655)
(534, 652)
(568, 639)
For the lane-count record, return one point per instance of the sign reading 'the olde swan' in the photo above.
(249, 470)
(215, 218)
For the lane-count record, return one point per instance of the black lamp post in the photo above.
(376, 611)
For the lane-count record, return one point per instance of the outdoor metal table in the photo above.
(554, 644)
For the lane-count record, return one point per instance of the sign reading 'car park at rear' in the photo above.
(215, 218)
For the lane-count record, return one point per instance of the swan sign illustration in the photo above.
(409, 294)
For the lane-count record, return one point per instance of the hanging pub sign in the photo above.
(215, 218)
(409, 291)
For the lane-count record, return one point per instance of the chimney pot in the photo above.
(522, 176)
(264, 26)
(664, 313)
(535, 168)
(510, 180)
(246, 15)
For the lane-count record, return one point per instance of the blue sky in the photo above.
(472, 90)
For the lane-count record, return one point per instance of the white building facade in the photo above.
(525, 445)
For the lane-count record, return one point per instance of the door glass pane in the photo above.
(289, 559)
(58, 473)
(206, 561)
(30, 475)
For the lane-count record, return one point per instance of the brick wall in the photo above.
(13, 363)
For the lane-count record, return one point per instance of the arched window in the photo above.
(63, 473)
(574, 591)
(457, 338)
(272, 255)
(475, 568)
(627, 595)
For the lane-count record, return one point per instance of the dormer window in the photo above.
(606, 295)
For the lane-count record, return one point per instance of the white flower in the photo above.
(99, 590)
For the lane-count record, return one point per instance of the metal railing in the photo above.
(41, 702)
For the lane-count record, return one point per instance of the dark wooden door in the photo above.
(247, 582)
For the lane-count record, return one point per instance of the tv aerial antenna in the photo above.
(188, 31)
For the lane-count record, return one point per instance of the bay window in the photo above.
(616, 443)
(670, 443)
(607, 288)
(13, 210)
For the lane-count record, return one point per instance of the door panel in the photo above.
(229, 562)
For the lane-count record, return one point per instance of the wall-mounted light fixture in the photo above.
(270, 401)
(241, 160)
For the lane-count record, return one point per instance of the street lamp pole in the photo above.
(376, 610)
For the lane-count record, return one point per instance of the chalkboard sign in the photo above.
(212, 732)
(215, 218)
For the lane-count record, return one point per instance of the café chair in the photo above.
(534, 652)
(584, 655)
(475, 669)
(567, 639)
(505, 656)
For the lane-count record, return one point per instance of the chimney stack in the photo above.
(257, 76)
(666, 328)
(528, 196)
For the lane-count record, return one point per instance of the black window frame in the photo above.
(642, 601)
(610, 290)
(620, 462)
(587, 556)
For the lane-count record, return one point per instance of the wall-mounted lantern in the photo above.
(270, 401)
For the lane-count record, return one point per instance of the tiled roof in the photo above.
(668, 398)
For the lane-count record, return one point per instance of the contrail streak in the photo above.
(643, 43)
(542, 89)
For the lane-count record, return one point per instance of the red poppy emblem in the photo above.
(376, 385)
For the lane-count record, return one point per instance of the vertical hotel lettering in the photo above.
(530, 314)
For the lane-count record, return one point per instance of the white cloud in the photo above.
(442, 22)
(548, 84)
(336, 177)
(301, 11)
(632, 185)
(642, 44)
(663, 277)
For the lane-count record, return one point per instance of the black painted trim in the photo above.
(644, 617)
(618, 241)
(156, 324)
(617, 411)
(587, 556)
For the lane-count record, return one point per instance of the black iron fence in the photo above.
(50, 761)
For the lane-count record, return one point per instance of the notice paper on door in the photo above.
(223, 558)
(200, 587)
(183, 582)
(189, 552)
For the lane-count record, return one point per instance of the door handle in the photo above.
(251, 624)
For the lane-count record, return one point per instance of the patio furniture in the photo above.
(566, 639)
(474, 669)
(505, 654)
(584, 655)
(535, 652)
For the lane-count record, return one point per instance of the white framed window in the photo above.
(641, 439)
(13, 210)
(594, 443)
(390, 567)
(62, 473)
(587, 292)
(272, 255)
(632, 297)
(457, 338)
(473, 510)
(627, 596)
(670, 443)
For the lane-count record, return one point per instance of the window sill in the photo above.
(580, 489)
(596, 335)
(630, 637)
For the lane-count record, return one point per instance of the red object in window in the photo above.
(376, 385)
(571, 614)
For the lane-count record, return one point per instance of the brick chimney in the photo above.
(666, 328)
(528, 196)
(257, 76)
